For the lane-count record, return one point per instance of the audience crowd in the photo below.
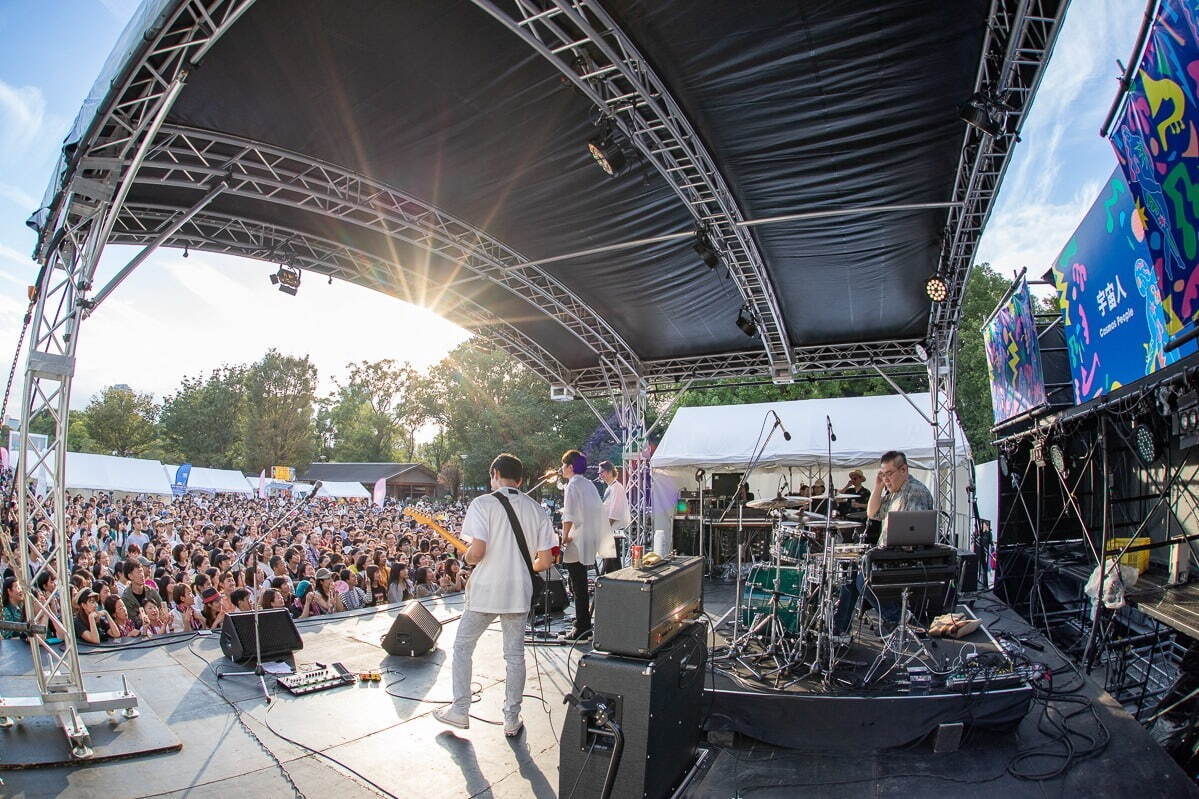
(145, 566)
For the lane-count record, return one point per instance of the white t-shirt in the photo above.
(581, 505)
(500, 582)
(616, 511)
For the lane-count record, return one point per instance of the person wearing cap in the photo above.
(91, 625)
(212, 612)
(321, 598)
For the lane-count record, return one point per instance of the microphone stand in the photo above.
(532, 632)
(256, 606)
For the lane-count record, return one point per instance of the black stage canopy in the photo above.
(433, 148)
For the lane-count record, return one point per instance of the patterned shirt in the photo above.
(912, 495)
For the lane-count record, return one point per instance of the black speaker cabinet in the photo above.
(553, 599)
(414, 632)
(276, 632)
(658, 705)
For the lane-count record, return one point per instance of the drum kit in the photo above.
(783, 622)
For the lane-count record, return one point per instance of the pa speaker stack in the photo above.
(413, 633)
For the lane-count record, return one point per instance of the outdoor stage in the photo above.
(395, 741)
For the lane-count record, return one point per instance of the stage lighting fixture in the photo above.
(745, 321)
(703, 247)
(937, 288)
(1058, 458)
(921, 352)
(287, 279)
(608, 154)
(1144, 443)
(982, 112)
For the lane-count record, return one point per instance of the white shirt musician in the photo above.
(499, 586)
(583, 524)
(616, 508)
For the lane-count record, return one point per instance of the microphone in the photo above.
(779, 422)
(315, 488)
(829, 422)
(699, 475)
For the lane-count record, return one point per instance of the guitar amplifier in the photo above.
(638, 611)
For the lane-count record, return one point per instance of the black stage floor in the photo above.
(394, 742)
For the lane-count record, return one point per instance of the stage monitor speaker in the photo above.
(414, 632)
(658, 706)
(276, 631)
(724, 484)
(554, 599)
(968, 579)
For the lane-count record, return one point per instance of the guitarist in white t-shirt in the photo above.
(500, 586)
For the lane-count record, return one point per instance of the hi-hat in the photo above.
(777, 503)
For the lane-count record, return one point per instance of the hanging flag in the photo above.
(181, 475)
(262, 484)
(380, 491)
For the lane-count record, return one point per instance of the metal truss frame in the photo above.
(1020, 36)
(584, 43)
(185, 158)
(78, 228)
(230, 235)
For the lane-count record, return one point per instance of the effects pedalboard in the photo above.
(319, 679)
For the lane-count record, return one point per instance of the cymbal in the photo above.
(777, 503)
(836, 524)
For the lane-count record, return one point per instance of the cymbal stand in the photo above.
(776, 650)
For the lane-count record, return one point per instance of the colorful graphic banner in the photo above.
(1156, 140)
(1014, 358)
(1112, 309)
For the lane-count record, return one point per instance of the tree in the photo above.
(490, 403)
(121, 421)
(78, 438)
(373, 416)
(984, 290)
(201, 420)
(277, 424)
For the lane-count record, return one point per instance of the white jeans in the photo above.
(470, 627)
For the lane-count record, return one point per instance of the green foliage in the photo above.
(121, 422)
(201, 422)
(983, 292)
(277, 424)
(374, 415)
(488, 403)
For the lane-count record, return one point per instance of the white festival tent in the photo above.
(723, 438)
(343, 490)
(211, 481)
(88, 472)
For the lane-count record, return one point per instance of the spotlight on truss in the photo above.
(745, 321)
(703, 247)
(937, 288)
(287, 279)
(608, 153)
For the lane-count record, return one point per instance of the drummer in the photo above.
(819, 505)
(856, 485)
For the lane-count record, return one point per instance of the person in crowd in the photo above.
(583, 523)
(453, 580)
(273, 598)
(92, 626)
(426, 585)
(119, 613)
(184, 616)
(156, 620)
(14, 605)
(138, 593)
(240, 597)
(499, 588)
(376, 585)
(322, 599)
(354, 598)
(213, 614)
(398, 586)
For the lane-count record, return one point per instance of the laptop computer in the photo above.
(909, 528)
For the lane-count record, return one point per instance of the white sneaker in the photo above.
(454, 718)
(513, 727)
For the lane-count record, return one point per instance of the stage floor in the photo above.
(396, 743)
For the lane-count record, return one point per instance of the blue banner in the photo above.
(1157, 143)
(1014, 357)
(1115, 319)
(181, 475)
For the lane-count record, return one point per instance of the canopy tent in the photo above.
(272, 486)
(211, 481)
(346, 490)
(723, 438)
(88, 472)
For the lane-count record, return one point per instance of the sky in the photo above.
(177, 317)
